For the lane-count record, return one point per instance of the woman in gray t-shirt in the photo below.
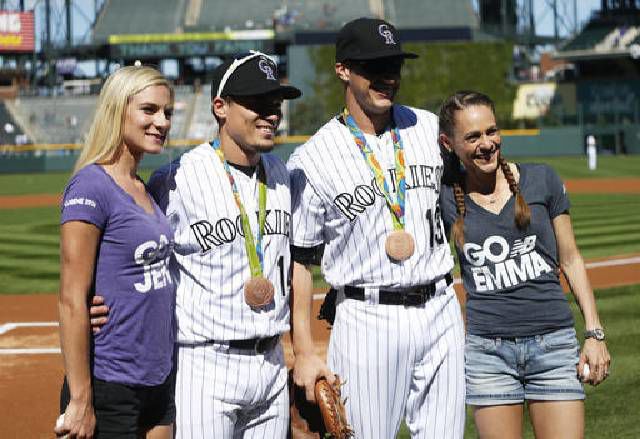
(511, 228)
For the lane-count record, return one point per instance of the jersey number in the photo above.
(436, 235)
(283, 287)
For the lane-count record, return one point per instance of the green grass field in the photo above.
(611, 409)
(609, 166)
(29, 239)
(567, 167)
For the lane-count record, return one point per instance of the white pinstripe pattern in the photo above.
(330, 164)
(210, 302)
(397, 361)
(226, 394)
(401, 361)
(231, 394)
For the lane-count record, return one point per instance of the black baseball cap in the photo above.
(248, 75)
(368, 38)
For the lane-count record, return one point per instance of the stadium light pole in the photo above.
(556, 31)
(67, 8)
(575, 17)
(47, 15)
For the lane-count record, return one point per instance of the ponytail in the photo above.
(522, 211)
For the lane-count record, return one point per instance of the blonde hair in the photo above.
(453, 174)
(105, 135)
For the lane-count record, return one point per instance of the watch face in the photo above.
(597, 333)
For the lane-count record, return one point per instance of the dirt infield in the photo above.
(597, 186)
(604, 186)
(22, 201)
(30, 381)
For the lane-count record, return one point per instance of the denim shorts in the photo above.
(511, 370)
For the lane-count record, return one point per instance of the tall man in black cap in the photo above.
(365, 207)
(229, 204)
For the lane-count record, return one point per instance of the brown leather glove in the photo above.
(332, 408)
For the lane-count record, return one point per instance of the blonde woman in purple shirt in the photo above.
(114, 239)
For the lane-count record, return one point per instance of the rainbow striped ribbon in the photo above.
(397, 207)
(253, 248)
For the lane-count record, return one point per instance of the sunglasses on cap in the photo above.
(378, 67)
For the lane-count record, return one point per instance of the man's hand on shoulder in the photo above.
(99, 313)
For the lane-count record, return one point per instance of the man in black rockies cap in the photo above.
(229, 204)
(365, 207)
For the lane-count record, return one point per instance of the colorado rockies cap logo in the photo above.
(384, 30)
(266, 67)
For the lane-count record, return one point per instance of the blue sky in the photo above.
(544, 13)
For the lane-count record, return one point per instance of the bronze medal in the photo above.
(258, 292)
(399, 245)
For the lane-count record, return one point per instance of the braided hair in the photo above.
(453, 174)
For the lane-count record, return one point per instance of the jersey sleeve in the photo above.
(557, 198)
(159, 183)
(84, 199)
(307, 210)
(447, 207)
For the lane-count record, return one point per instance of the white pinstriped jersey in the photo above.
(336, 202)
(211, 262)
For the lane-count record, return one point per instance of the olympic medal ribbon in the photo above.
(399, 244)
(396, 207)
(254, 295)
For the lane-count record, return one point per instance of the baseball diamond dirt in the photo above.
(31, 366)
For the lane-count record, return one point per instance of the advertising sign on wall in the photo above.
(16, 31)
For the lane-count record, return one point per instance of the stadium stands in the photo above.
(203, 124)
(619, 38)
(434, 13)
(65, 119)
(295, 15)
(182, 112)
(10, 131)
(324, 14)
(167, 16)
(218, 15)
(55, 119)
(140, 17)
(593, 34)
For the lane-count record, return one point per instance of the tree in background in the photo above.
(441, 69)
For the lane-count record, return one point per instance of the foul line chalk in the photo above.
(13, 325)
(607, 263)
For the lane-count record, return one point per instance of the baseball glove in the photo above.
(332, 409)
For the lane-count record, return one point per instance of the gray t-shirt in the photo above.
(510, 275)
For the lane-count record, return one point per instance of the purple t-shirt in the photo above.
(135, 347)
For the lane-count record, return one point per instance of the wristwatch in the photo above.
(597, 333)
